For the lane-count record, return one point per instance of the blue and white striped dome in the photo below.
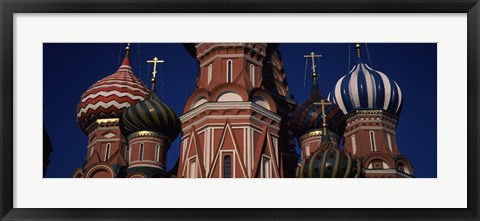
(365, 88)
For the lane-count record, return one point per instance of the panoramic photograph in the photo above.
(240, 110)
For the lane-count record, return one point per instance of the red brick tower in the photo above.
(150, 126)
(235, 123)
(98, 116)
(372, 104)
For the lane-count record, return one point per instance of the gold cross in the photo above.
(313, 56)
(154, 73)
(323, 103)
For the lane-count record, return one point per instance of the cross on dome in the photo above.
(313, 56)
(155, 60)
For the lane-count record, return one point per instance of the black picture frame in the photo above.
(10, 7)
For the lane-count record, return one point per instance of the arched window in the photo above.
(372, 141)
(252, 74)
(209, 73)
(157, 153)
(229, 71)
(141, 151)
(307, 150)
(107, 152)
(227, 167)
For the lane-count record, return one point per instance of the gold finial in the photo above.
(313, 56)
(154, 73)
(127, 49)
(358, 48)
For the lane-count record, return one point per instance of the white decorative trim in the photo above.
(210, 60)
(106, 94)
(209, 73)
(269, 162)
(252, 74)
(237, 117)
(369, 128)
(104, 105)
(229, 105)
(389, 142)
(95, 167)
(354, 144)
(227, 128)
(221, 125)
(144, 165)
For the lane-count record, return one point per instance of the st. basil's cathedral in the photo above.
(242, 122)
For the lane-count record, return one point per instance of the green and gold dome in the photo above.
(329, 162)
(151, 115)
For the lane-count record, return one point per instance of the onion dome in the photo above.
(308, 115)
(151, 115)
(110, 96)
(329, 162)
(366, 88)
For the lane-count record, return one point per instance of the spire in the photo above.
(358, 48)
(126, 60)
(314, 73)
(154, 72)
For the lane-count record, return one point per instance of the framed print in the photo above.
(245, 89)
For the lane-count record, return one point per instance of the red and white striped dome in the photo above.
(110, 96)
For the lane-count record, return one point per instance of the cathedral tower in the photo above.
(150, 127)
(319, 125)
(235, 123)
(98, 114)
(372, 103)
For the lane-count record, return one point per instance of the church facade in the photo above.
(242, 122)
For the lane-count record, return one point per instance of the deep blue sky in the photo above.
(70, 68)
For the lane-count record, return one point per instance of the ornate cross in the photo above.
(323, 103)
(154, 73)
(313, 56)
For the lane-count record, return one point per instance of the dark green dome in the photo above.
(151, 115)
(329, 163)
